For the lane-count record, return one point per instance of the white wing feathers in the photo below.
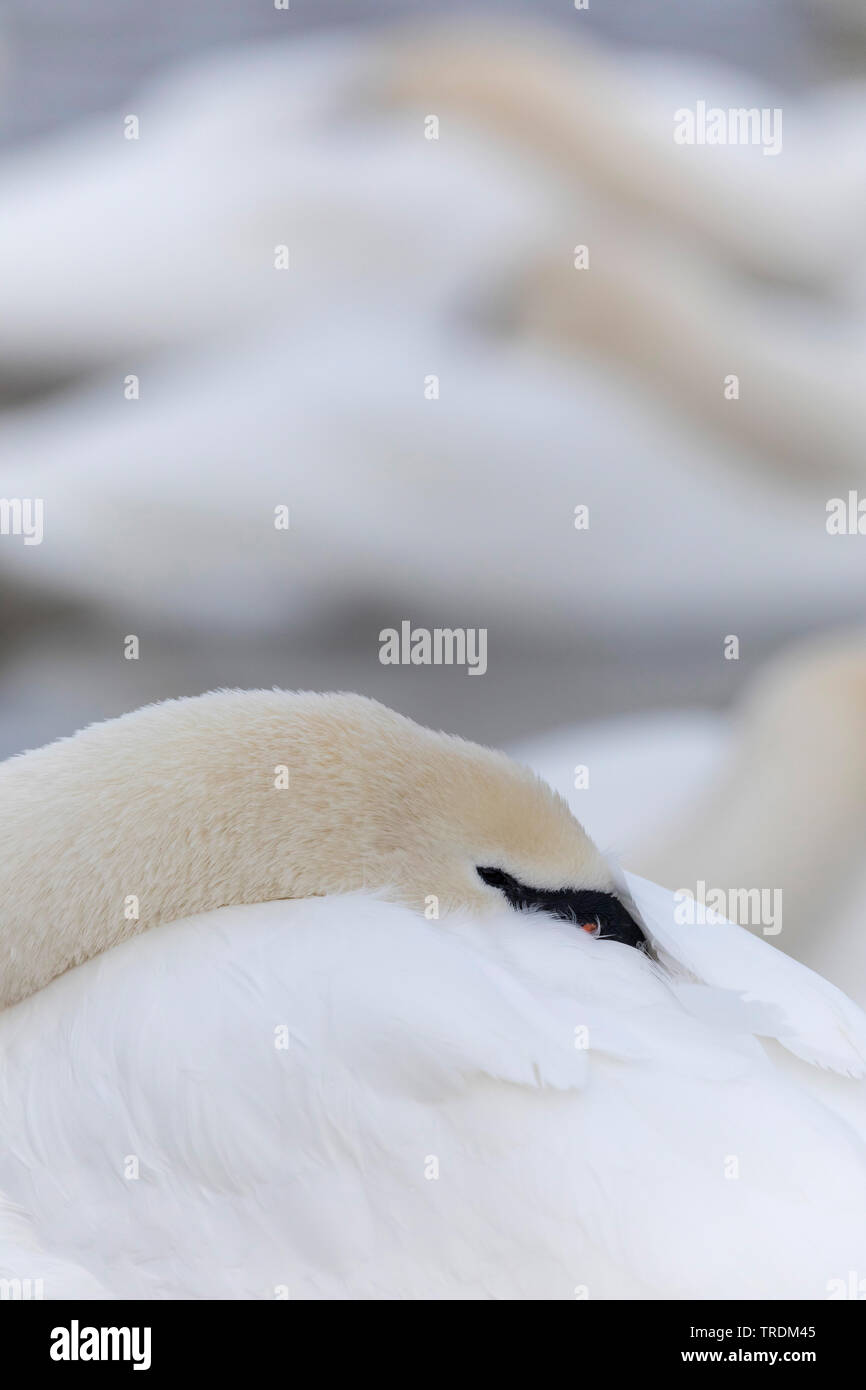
(809, 1016)
(341, 1099)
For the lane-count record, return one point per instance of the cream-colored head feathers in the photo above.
(249, 796)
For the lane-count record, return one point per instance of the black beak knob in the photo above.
(602, 914)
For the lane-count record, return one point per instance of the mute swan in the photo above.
(540, 146)
(248, 796)
(786, 810)
(340, 1096)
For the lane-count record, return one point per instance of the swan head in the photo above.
(465, 827)
(249, 796)
(432, 820)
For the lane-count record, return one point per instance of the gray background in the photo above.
(67, 57)
(58, 664)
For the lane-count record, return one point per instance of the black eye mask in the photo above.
(601, 913)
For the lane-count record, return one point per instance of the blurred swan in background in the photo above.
(337, 1097)
(772, 799)
(431, 334)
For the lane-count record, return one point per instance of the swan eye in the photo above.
(599, 914)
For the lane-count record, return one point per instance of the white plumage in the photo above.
(435, 1126)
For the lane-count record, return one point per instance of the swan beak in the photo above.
(600, 914)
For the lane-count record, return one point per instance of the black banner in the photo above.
(155, 1339)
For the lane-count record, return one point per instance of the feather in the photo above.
(808, 1015)
(335, 1098)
